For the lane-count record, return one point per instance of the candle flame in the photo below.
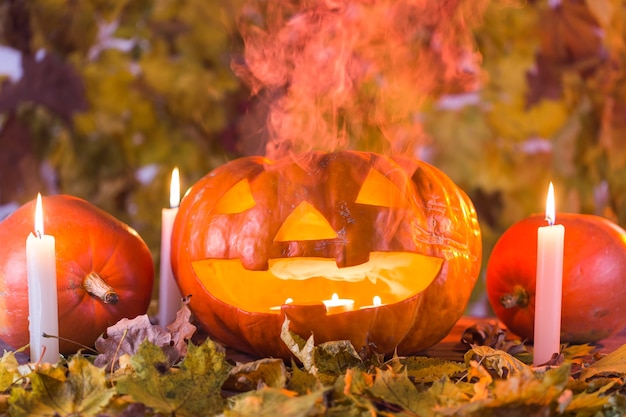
(550, 209)
(175, 188)
(377, 301)
(334, 297)
(39, 217)
(289, 300)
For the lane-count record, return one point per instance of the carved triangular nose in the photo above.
(305, 223)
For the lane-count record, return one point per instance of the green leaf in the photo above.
(272, 402)
(335, 357)
(614, 364)
(82, 391)
(192, 390)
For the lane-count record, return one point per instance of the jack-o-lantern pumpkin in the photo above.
(254, 233)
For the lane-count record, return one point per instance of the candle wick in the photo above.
(38, 233)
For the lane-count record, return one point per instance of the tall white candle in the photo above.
(170, 299)
(549, 286)
(43, 313)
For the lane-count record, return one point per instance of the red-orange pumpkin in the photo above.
(594, 277)
(255, 232)
(95, 253)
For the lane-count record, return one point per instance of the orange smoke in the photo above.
(330, 75)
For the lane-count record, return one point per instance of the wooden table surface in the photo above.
(452, 348)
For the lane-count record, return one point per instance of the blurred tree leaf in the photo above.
(49, 82)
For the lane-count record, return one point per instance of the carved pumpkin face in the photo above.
(255, 233)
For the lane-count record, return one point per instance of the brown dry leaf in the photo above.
(500, 363)
(266, 372)
(303, 350)
(125, 338)
(612, 364)
(181, 329)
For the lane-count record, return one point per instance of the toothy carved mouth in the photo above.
(393, 276)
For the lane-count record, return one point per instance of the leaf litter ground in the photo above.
(143, 370)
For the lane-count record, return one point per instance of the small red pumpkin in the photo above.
(104, 271)
(594, 277)
(255, 232)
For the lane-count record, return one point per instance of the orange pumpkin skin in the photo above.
(430, 216)
(594, 277)
(87, 239)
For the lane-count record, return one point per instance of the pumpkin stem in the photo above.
(96, 287)
(519, 298)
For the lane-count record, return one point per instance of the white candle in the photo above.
(338, 305)
(549, 286)
(170, 299)
(43, 313)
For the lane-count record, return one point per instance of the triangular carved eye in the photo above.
(305, 223)
(236, 200)
(377, 190)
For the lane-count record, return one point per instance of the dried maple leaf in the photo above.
(181, 329)
(497, 362)
(193, 389)
(125, 338)
(270, 402)
(267, 372)
(79, 390)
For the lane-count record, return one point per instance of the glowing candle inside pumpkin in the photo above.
(170, 299)
(338, 305)
(376, 302)
(549, 286)
(43, 313)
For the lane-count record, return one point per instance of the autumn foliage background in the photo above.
(127, 90)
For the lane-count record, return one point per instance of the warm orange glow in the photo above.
(338, 305)
(236, 200)
(377, 190)
(305, 223)
(391, 276)
(39, 217)
(175, 188)
(376, 301)
(289, 300)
